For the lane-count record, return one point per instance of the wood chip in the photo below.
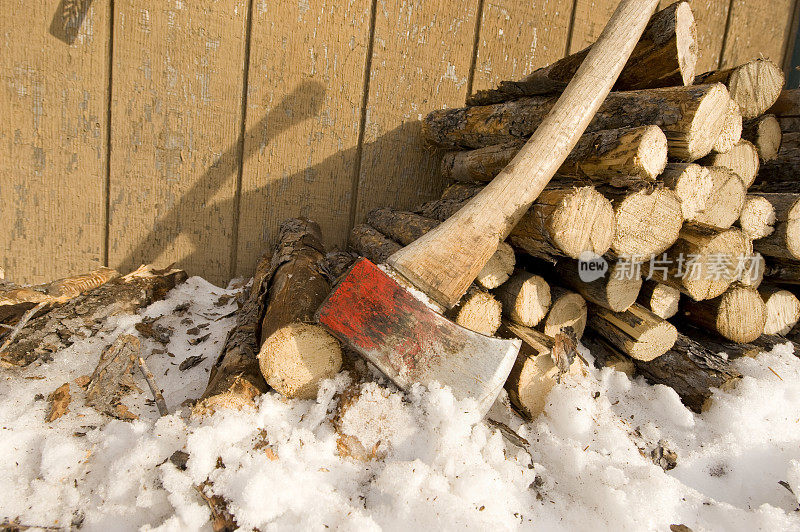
(59, 402)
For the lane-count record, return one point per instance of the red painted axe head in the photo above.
(411, 343)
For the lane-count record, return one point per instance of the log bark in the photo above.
(724, 204)
(619, 157)
(755, 85)
(758, 217)
(637, 332)
(764, 132)
(689, 368)
(691, 117)
(789, 124)
(692, 184)
(372, 244)
(780, 174)
(616, 290)
(567, 309)
(86, 314)
(787, 104)
(660, 299)
(784, 241)
(738, 315)
(666, 55)
(296, 354)
(235, 379)
(702, 263)
(731, 129)
(647, 222)
(742, 159)
(780, 271)
(783, 309)
(525, 298)
(607, 356)
(734, 350)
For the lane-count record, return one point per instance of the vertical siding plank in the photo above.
(519, 37)
(420, 62)
(757, 29)
(176, 111)
(306, 83)
(591, 17)
(52, 141)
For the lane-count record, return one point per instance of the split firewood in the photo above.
(86, 314)
(783, 309)
(647, 222)
(636, 332)
(689, 368)
(297, 354)
(660, 299)
(724, 204)
(235, 379)
(692, 184)
(755, 85)
(619, 157)
(536, 371)
(665, 55)
(741, 158)
(15, 301)
(478, 311)
(784, 241)
(764, 132)
(702, 263)
(731, 130)
(112, 379)
(616, 290)
(787, 103)
(691, 117)
(525, 298)
(567, 309)
(757, 218)
(370, 243)
(405, 227)
(563, 221)
(738, 315)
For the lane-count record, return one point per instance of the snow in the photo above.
(436, 465)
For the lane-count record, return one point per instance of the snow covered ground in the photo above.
(437, 465)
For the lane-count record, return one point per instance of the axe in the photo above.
(374, 309)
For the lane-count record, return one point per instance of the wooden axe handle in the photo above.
(445, 261)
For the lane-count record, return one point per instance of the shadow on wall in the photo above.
(303, 103)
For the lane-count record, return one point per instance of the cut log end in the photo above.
(651, 157)
(498, 269)
(783, 310)
(741, 158)
(686, 42)
(755, 86)
(661, 300)
(717, 259)
(757, 218)
(622, 289)
(295, 358)
(692, 184)
(765, 134)
(654, 342)
(703, 132)
(568, 309)
(742, 314)
(646, 223)
(525, 298)
(479, 311)
(583, 221)
(731, 130)
(724, 205)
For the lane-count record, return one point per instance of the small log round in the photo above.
(724, 205)
(478, 311)
(783, 310)
(647, 223)
(731, 130)
(757, 218)
(636, 332)
(660, 299)
(753, 273)
(692, 184)
(764, 132)
(371, 243)
(567, 309)
(738, 315)
(616, 290)
(295, 358)
(755, 85)
(498, 269)
(784, 242)
(741, 158)
(525, 298)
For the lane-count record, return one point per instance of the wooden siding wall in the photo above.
(186, 130)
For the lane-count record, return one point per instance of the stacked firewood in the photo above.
(680, 197)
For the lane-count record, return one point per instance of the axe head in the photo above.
(410, 342)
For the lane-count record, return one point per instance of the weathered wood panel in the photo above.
(519, 37)
(757, 29)
(590, 18)
(305, 91)
(52, 139)
(420, 62)
(176, 120)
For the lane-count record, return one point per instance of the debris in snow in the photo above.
(113, 378)
(663, 457)
(59, 402)
(191, 362)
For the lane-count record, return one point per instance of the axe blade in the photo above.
(411, 343)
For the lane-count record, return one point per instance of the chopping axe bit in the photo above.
(406, 339)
